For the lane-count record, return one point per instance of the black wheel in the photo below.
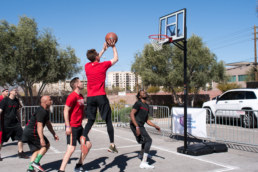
(248, 120)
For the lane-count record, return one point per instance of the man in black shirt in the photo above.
(139, 116)
(9, 107)
(33, 133)
(5, 93)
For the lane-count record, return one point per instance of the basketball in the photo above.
(111, 36)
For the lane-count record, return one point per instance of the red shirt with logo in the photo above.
(76, 103)
(96, 76)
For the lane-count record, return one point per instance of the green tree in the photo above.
(35, 57)
(227, 86)
(165, 67)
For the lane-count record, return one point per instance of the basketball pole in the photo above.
(185, 87)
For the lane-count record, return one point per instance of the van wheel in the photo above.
(248, 120)
(209, 116)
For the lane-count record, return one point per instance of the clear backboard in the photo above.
(173, 25)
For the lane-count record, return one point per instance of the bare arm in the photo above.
(50, 128)
(153, 125)
(67, 122)
(132, 116)
(103, 50)
(115, 58)
(40, 133)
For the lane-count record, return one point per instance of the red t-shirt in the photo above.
(76, 103)
(96, 76)
(1, 98)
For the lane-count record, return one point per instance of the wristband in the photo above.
(67, 126)
(137, 127)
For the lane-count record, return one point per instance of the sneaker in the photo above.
(37, 166)
(60, 171)
(78, 168)
(23, 155)
(29, 170)
(1, 159)
(146, 165)
(112, 149)
(140, 156)
(84, 148)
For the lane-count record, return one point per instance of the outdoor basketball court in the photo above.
(163, 150)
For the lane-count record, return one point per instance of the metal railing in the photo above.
(234, 126)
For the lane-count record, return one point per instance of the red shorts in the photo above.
(1, 137)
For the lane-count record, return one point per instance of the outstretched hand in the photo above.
(157, 128)
(111, 42)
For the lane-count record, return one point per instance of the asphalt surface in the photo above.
(164, 155)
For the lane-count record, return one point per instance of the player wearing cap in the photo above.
(5, 93)
(96, 96)
(73, 115)
(12, 126)
(139, 116)
(33, 133)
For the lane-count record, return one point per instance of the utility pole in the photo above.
(255, 55)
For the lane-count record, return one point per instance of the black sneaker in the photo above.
(37, 166)
(1, 159)
(23, 155)
(29, 170)
(78, 168)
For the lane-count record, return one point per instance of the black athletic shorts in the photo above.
(75, 136)
(33, 140)
(100, 102)
(15, 133)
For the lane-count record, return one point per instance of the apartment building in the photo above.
(124, 80)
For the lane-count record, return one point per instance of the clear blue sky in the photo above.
(226, 26)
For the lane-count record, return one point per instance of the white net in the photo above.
(158, 43)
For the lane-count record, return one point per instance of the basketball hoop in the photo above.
(158, 40)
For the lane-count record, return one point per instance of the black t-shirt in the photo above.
(40, 115)
(10, 111)
(141, 116)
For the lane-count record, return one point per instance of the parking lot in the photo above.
(163, 150)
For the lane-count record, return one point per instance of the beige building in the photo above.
(123, 80)
(57, 88)
(238, 72)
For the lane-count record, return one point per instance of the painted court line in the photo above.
(55, 151)
(227, 167)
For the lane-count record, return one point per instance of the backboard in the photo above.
(174, 25)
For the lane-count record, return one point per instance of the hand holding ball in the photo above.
(111, 38)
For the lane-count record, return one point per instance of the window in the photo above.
(232, 79)
(242, 77)
(234, 95)
(250, 95)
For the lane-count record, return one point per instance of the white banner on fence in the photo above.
(196, 121)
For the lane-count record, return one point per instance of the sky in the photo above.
(225, 26)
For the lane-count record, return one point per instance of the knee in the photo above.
(71, 148)
(47, 146)
(88, 144)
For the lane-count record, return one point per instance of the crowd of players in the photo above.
(74, 112)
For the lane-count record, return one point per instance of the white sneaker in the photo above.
(146, 165)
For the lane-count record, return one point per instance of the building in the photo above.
(57, 88)
(238, 72)
(124, 80)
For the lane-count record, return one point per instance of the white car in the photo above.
(230, 104)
